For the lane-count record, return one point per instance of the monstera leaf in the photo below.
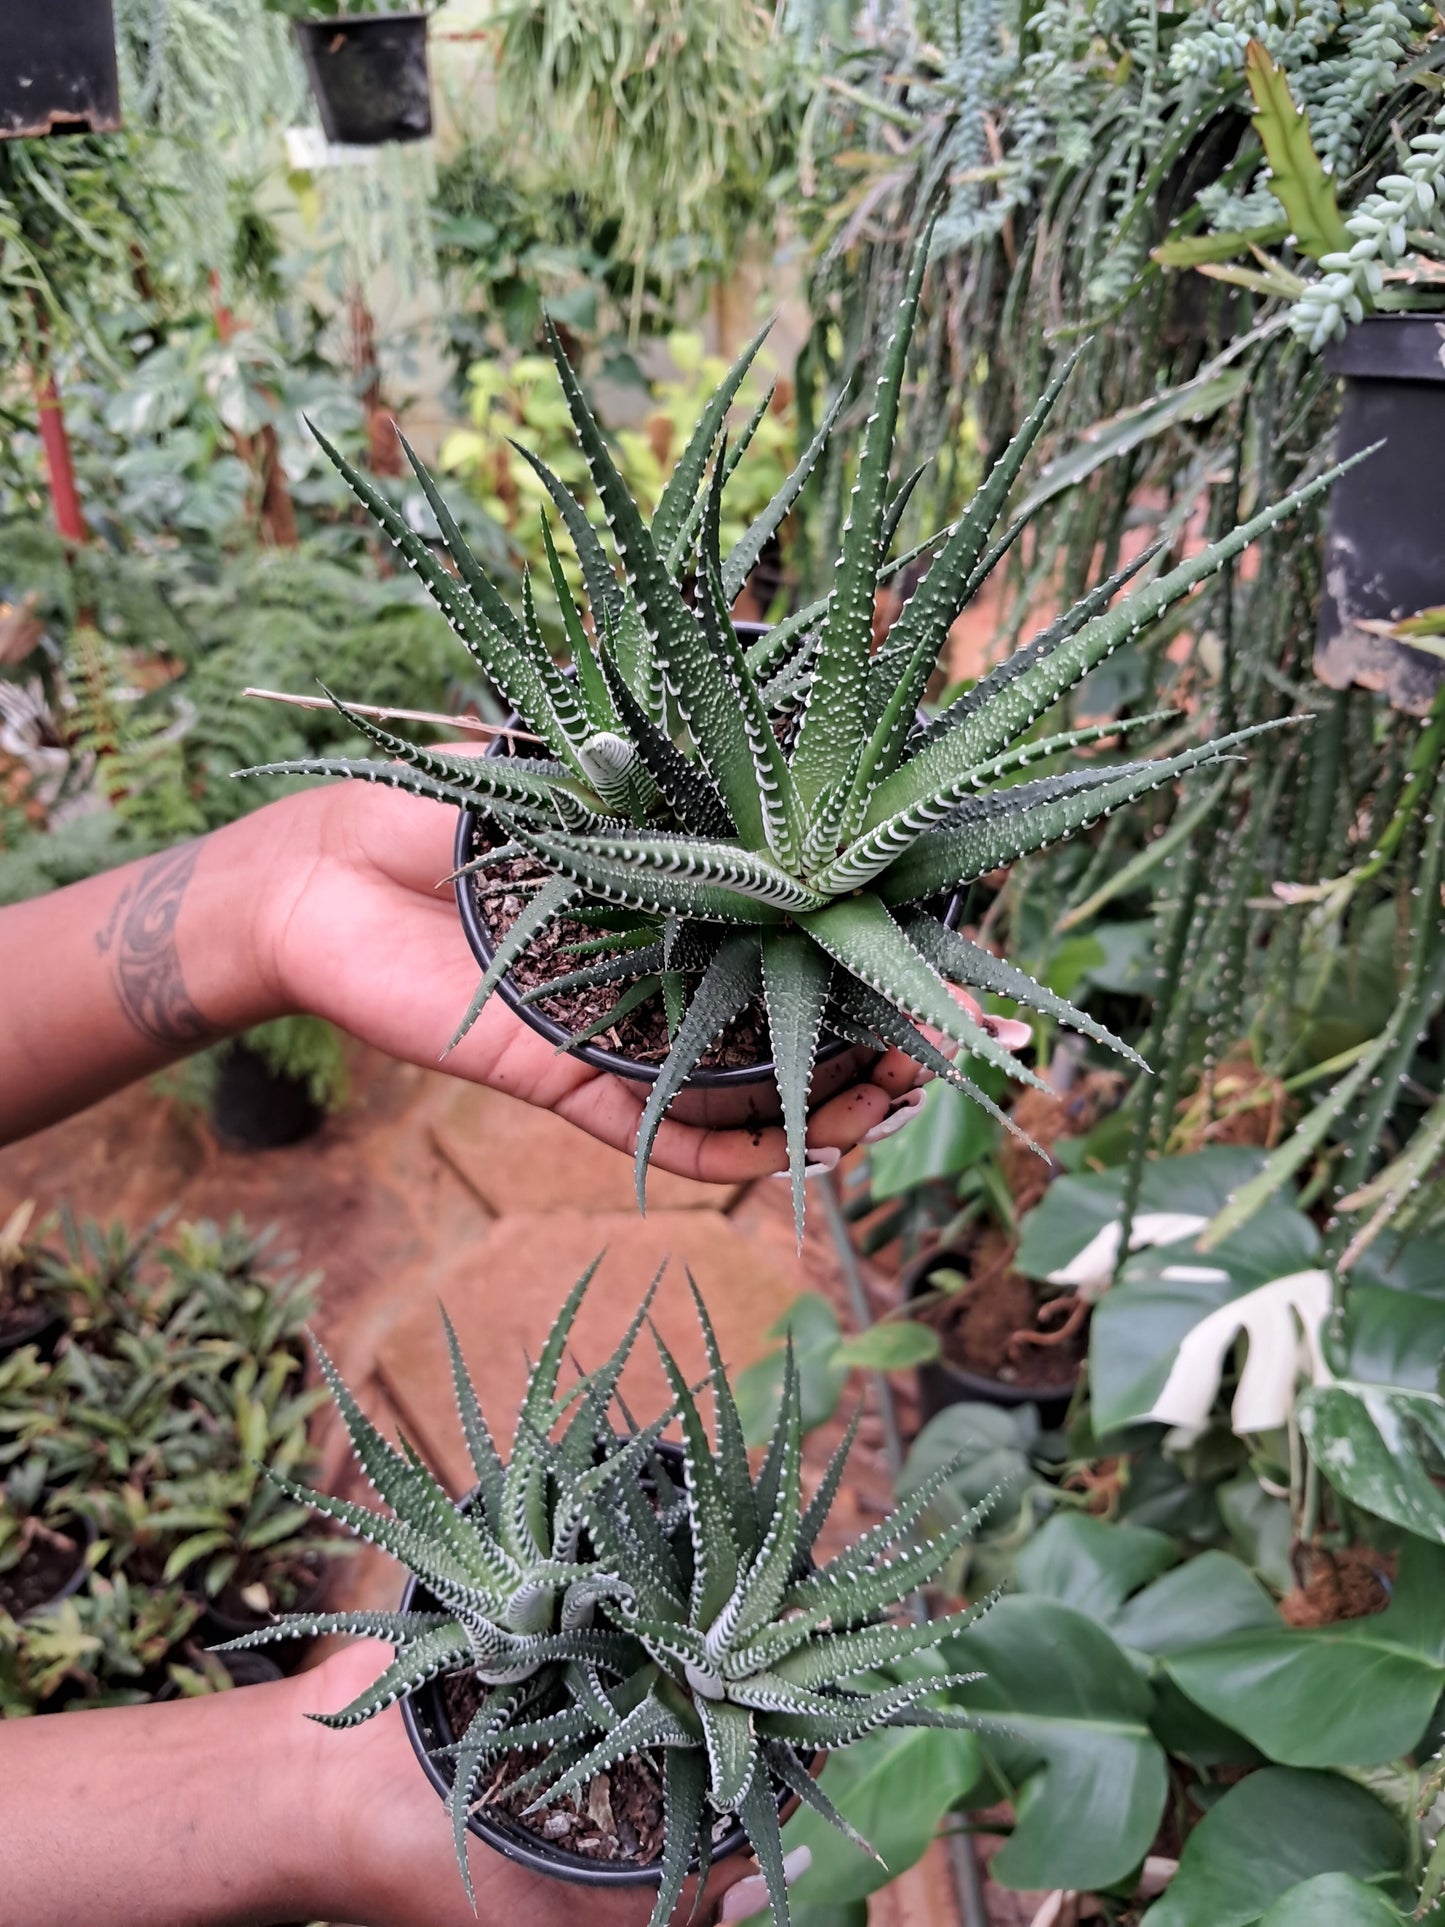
(1274, 1830)
(1163, 1295)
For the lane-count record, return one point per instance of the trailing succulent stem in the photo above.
(783, 804)
(604, 1608)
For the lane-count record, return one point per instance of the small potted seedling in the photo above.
(32, 1309)
(43, 1545)
(367, 65)
(752, 844)
(608, 1624)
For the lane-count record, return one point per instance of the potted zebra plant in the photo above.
(753, 844)
(611, 1623)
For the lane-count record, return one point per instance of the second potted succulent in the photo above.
(603, 1612)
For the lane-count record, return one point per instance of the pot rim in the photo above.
(1401, 347)
(350, 20)
(1001, 1391)
(506, 1835)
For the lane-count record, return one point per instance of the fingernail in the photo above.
(903, 1111)
(818, 1162)
(750, 1896)
(1009, 1031)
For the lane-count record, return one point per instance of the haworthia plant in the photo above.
(780, 803)
(700, 1630)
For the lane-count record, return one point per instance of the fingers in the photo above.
(750, 1895)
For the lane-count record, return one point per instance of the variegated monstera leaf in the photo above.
(774, 823)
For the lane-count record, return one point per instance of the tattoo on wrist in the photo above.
(146, 967)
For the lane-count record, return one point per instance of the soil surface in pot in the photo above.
(40, 1572)
(642, 1033)
(993, 1327)
(1353, 1583)
(618, 1815)
(293, 1585)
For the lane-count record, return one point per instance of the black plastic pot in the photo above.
(42, 1330)
(941, 1384)
(424, 1714)
(58, 69)
(368, 73)
(84, 1533)
(246, 1669)
(1385, 545)
(218, 1624)
(258, 1108)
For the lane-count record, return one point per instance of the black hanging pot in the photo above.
(1385, 544)
(942, 1383)
(368, 73)
(429, 1727)
(58, 69)
(255, 1107)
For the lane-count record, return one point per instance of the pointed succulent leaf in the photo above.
(397, 777)
(693, 673)
(816, 1512)
(856, 1718)
(830, 1657)
(639, 960)
(978, 969)
(729, 984)
(859, 933)
(604, 591)
(684, 1785)
(556, 896)
(920, 632)
(1014, 708)
(648, 1724)
(952, 856)
(688, 790)
(590, 683)
(772, 776)
(684, 485)
(761, 1586)
(715, 1548)
(788, 1770)
(743, 558)
(876, 1015)
(485, 1459)
(732, 1752)
(416, 1663)
(714, 882)
(429, 1558)
(398, 1629)
(1043, 644)
(796, 975)
(759, 1816)
(828, 741)
(732, 1451)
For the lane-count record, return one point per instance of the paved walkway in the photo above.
(428, 1190)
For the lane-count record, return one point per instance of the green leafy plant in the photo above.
(699, 1629)
(777, 824)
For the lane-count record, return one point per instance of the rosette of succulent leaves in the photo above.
(711, 1638)
(778, 822)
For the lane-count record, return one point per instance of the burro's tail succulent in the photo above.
(775, 823)
(610, 1596)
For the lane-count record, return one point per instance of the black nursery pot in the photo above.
(258, 1108)
(941, 1384)
(428, 1726)
(219, 1622)
(58, 72)
(368, 73)
(83, 1531)
(1385, 544)
(42, 1329)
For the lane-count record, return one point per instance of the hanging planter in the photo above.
(368, 74)
(58, 74)
(1385, 545)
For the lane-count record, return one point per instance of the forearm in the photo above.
(202, 1811)
(120, 975)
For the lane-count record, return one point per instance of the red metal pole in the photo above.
(64, 496)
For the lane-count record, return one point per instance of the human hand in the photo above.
(390, 1838)
(359, 932)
